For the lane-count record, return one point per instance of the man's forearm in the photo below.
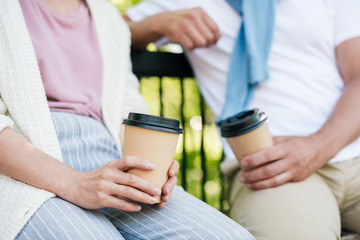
(342, 127)
(145, 31)
(23, 161)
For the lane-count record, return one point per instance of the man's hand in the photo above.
(192, 28)
(291, 159)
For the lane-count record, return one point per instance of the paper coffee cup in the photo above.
(153, 138)
(246, 132)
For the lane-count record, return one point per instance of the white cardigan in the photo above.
(23, 104)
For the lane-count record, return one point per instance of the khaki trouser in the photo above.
(314, 209)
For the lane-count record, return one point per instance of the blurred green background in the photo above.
(171, 96)
(122, 5)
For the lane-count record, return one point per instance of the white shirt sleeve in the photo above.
(347, 20)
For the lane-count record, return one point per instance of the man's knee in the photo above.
(306, 209)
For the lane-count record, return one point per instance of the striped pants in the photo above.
(86, 144)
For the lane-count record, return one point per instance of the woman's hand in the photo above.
(103, 186)
(291, 159)
(170, 184)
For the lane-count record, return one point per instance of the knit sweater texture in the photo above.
(24, 108)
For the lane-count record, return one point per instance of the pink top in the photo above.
(68, 55)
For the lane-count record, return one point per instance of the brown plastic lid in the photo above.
(242, 122)
(153, 122)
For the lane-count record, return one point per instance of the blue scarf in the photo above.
(248, 64)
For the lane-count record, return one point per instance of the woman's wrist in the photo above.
(66, 183)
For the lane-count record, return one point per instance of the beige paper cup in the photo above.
(154, 138)
(246, 133)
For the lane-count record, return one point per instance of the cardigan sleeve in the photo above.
(5, 121)
(134, 101)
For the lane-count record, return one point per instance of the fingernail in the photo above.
(150, 165)
(152, 200)
(157, 191)
(137, 208)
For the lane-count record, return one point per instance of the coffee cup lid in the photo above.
(242, 123)
(153, 122)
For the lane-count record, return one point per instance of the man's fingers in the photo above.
(199, 30)
(271, 182)
(280, 139)
(265, 172)
(261, 157)
(196, 37)
(186, 42)
(212, 27)
(206, 26)
(209, 36)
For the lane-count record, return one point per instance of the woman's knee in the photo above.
(59, 219)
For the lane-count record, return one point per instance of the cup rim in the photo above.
(153, 122)
(242, 122)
